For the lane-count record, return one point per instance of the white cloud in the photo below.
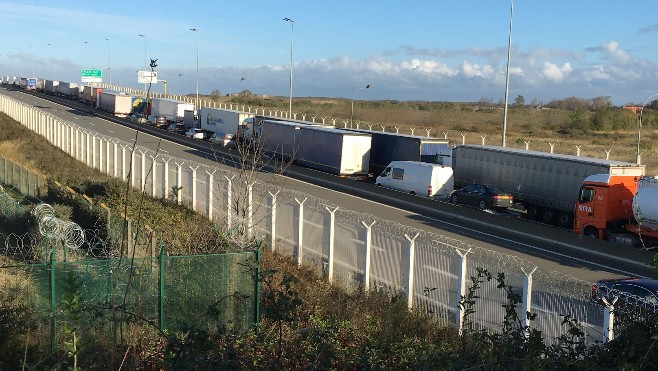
(612, 48)
(426, 66)
(475, 70)
(553, 72)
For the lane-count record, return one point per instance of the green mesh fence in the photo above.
(120, 296)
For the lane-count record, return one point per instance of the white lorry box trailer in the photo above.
(52, 87)
(68, 89)
(90, 93)
(278, 138)
(221, 121)
(418, 178)
(173, 110)
(116, 103)
(335, 151)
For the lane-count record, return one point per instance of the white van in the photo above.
(418, 178)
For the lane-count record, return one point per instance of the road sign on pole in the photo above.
(146, 77)
(91, 75)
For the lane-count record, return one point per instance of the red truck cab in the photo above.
(604, 204)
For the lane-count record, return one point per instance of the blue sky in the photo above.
(418, 50)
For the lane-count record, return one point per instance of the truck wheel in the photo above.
(591, 232)
(548, 216)
(454, 199)
(412, 193)
(532, 213)
(565, 220)
(379, 184)
(482, 205)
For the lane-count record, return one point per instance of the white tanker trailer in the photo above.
(645, 203)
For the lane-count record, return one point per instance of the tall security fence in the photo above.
(355, 250)
(25, 181)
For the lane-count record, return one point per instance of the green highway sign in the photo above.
(91, 73)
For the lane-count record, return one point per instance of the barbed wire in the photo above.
(52, 227)
(9, 207)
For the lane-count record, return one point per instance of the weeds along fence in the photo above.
(114, 286)
(355, 250)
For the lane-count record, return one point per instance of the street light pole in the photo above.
(144, 37)
(88, 55)
(353, 96)
(197, 66)
(509, 47)
(109, 59)
(639, 128)
(292, 35)
(51, 60)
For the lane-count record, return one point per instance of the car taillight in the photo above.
(429, 190)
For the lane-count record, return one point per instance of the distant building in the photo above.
(635, 109)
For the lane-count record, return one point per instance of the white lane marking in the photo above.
(629, 261)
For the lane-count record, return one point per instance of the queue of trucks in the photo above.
(596, 198)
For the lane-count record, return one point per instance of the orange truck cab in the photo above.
(605, 204)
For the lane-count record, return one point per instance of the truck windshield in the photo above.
(586, 195)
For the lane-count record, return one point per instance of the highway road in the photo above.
(550, 248)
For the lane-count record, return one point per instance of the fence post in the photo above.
(53, 299)
(154, 165)
(366, 269)
(93, 151)
(165, 174)
(179, 180)
(552, 146)
(87, 149)
(273, 220)
(132, 167)
(257, 282)
(300, 231)
(229, 201)
(142, 172)
(193, 186)
(527, 300)
(462, 290)
(409, 285)
(609, 319)
(107, 156)
(162, 286)
(211, 179)
(250, 221)
(332, 232)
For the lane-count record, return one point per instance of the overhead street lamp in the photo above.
(197, 66)
(353, 96)
(509, 47)
(109, 59)
(639, 128)
(292, 34)
(144, 37)
(88, 54)
(51, 60)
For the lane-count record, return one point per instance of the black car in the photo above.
(177, 128)
(637, 291)
(482, 196)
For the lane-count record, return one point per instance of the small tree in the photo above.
(519, 101)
